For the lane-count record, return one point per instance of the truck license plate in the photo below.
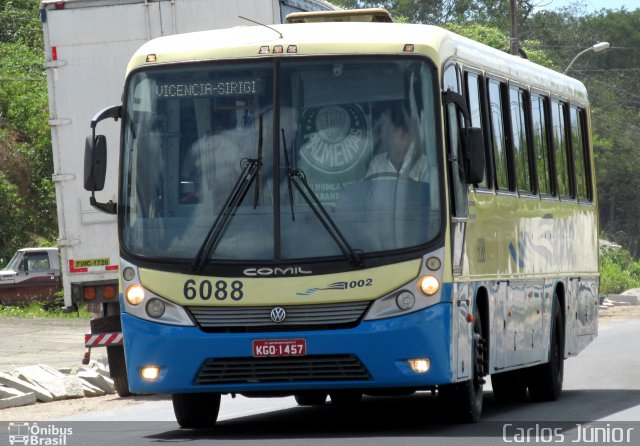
(279, 347)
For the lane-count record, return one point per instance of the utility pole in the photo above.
(513, 18)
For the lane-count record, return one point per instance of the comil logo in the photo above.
(34, 434)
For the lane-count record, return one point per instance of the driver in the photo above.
(399, 155)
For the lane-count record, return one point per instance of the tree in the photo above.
(613, 82)
(493, 13)
(27, 201)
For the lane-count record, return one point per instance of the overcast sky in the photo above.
(592, 5)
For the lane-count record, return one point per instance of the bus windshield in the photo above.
(344, 152)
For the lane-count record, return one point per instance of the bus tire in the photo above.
(545, 380)
(310, 398)
(196, 410)
(345, 397)
(463, 401)
(118, 370)
(509, 387)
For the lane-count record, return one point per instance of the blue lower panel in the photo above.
(382, 346)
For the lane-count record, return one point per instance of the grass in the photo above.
(37, 310)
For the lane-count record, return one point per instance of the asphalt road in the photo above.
(601, 399)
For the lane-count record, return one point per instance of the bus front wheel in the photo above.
(310, 398)
(196, 410)
(118, 370)
(463, 400)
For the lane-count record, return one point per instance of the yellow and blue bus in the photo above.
(343, 206)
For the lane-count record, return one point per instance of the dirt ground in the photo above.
(59, 343)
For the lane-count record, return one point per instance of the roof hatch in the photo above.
(353, 15)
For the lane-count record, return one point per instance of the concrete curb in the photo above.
(27, 385)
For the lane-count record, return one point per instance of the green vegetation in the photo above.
(618, 271)
(36, 310)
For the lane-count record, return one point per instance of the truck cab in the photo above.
(32, 275)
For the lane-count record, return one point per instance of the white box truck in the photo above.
(87, 46)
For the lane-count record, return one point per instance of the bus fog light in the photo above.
(155, 308)
(405, 300)
(429, 285)
(150, 373)
(420, 365)
(135, 294)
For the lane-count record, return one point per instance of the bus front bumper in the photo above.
(382, 347)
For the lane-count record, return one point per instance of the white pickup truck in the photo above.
(32, 275)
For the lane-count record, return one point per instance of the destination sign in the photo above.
(228, 87)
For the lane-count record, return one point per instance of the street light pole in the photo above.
(597, 48)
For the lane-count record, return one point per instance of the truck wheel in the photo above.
(118, 370)
(196, 410)
(545, 381)
(463, 401)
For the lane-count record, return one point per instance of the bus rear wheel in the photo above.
(509, 387)
(196, 410)
(545, 381)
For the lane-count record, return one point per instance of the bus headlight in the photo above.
(134, 294)
(429, 285)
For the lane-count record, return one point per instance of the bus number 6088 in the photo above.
(220, 290)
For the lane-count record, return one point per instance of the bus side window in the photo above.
(558, 112)
(518, 104)
(474, 96)
(498, 137)
(578, 145)
(539, 108)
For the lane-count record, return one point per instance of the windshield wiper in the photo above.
(299, 180)
(250, 169)
(289, 180)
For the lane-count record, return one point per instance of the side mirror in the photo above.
(474, 163)
(95, 163)
(95, 160)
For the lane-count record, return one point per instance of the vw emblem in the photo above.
(278, 314)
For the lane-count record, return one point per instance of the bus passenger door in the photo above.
(462, 303)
